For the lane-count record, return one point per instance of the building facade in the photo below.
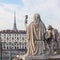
(13, 39)
(12, 42)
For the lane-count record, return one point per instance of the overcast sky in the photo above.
(49, 11)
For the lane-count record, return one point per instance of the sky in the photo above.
(49, 11)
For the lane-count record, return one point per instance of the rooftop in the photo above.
(13, 31)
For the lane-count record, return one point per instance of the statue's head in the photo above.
(50, 27)
(37, 18)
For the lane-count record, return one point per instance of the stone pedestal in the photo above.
(53, 57)
(38, 57)
(41, 57)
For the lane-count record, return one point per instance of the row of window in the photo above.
(13, 38)
(14, 43)
(12, 35)
(14, 47)
(23, 37)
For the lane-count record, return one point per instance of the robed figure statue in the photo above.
(35, 33)
(51, 40)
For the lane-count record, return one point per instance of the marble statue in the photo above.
(38, 39)
(51, 37)
(35, 33)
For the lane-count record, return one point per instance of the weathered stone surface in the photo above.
(41, 57)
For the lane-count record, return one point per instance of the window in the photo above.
(4, 46)
(12, 38)
(0, 37)
(17, 38)
(15, 47)
(23, 38)
(12, 44)
(20, 37)
(15, 34)
(7, 38)
(4, 34)
(10, 47)
(9, 34)
(9, 43)
(15, 43)
(7, 47)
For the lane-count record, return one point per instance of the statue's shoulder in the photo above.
(43, 25)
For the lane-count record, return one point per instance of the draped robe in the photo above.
(34, 34)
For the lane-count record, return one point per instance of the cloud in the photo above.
(48, 9)
(6, 15)
(25, 1)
